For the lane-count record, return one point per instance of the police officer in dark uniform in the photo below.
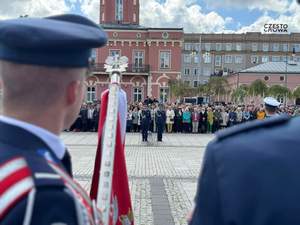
(160, 117)
(243, 183)
(43, 64)
(145, 122)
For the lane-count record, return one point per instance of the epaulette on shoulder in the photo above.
(246, 127)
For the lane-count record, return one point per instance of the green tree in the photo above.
(239, 94)
(258, 88)
(178, 88)
(296, 93)
(217, 86)
(278, 91)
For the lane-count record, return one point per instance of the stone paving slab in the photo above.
(175, 163)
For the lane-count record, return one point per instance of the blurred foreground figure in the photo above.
(43, 63)
(250, 176)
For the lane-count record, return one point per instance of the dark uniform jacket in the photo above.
(35, 187)
(251, 176)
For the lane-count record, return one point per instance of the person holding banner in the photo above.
(43, 64)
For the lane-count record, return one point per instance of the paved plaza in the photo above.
(162, 176)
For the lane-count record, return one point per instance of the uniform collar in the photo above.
(50, 139)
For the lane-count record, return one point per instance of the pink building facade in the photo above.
(154, 54)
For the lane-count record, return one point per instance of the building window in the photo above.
(228, 46)
(207, 46)
(285, 47)
(275, 58)
(254, 47)
(219, 47)
(164, 94)
(119, 10)
(195, 71)
(165, 59)
(187, 46)
(196, 47)
(134, 2)
(91, 94)
(228, 59)
(266, 78)
(207, 58)
(138, 59)
(296, 47)
(206, 72)
(196, 59)
(218, 60)
(265, 47)
(137, 94)
(275, 47)
(238, 59)
(114, 52)
(238, 46)
(134, 17)
(254, 59)
(281, 78)
(103, 18)
(186, 71)
(265, 59)
(187, 58)
(195, 83)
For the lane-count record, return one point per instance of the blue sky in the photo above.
(221, 16)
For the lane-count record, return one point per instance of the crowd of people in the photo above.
(181, 118)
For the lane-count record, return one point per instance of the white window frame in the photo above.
(236, 61)
(238, 47)
(166, 96)
(188, 46)
(197, 59)
(265, 59)
(296, 46)
(119, 12)
(195, 82)
(218, 47)
(228, 59)
(207, 46)
(218, 60)
(207, 58)
(276, 49)
(187, 58)
(254, 47)
(285, 47)
(135, 51)
(136, 92)
(91, 93)
(195, 71)
(228, 47)
(167, 65)
(265, 47)
(187, 71)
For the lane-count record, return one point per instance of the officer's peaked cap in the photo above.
(57, 41)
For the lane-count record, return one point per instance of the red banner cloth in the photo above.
(121, 209)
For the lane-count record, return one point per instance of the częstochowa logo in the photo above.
(276, 28)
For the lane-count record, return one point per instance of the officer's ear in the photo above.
(74, 92)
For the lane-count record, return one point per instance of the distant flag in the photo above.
(121, 210)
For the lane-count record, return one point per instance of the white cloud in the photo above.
(33, 8)
(280, 6)
(292, 19)
(181, 13)
(91, 9)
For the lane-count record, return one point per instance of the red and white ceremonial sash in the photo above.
(15, 182)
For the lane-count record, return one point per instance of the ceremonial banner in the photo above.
(121, 209)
